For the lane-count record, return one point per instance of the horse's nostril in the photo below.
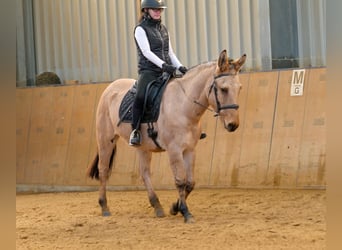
(232, 127)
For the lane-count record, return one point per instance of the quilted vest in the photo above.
(158, 38)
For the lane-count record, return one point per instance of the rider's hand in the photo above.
(183, 69)
(169, 68)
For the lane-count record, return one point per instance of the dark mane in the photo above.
(201, 64)
(197, 68)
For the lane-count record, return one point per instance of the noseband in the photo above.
(218, 104)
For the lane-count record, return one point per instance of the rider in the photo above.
(155, 56)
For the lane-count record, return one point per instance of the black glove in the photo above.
(183, 69)
(169, 68)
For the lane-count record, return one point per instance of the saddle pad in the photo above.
(125, 111)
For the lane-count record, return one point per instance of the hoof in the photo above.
(106, 213)
(189, 219)
(159, 213)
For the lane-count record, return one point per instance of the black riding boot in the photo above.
(135, 137)
(145, 77)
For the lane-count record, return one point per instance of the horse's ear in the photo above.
(239, 62)
(222, 62)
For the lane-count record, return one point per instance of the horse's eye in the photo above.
(224, 90)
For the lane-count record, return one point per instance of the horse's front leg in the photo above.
(145, 172)
(183, 172)
(181, 205)
(176, 206)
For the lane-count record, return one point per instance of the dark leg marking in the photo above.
(103, 204)
(180, 206)
(158, 209)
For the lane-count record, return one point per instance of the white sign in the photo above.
(297, 84)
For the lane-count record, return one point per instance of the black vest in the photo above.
(158, 38)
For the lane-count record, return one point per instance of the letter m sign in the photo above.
(297, 84)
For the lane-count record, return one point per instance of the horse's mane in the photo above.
(202, 64)
(198, 68)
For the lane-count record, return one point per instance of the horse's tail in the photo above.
(93, 169)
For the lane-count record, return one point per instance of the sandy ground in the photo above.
(225, 219)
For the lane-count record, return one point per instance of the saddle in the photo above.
(153, 96)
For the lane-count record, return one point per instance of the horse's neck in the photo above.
(197, 83)
(195, 86)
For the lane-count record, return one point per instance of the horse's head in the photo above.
(225, 89)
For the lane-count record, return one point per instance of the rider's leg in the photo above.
(144, 78)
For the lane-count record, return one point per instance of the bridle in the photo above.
(219, 107)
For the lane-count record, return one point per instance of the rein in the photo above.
(218, 104)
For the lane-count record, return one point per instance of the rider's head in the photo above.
(153, 8)
(153, 4)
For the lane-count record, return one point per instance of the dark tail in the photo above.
(93, 169)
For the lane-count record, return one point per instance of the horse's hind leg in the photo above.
(144, 164)
(106, 157)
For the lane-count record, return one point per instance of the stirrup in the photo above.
(135, 138)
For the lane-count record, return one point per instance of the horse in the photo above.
(213, 84)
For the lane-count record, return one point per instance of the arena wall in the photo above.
(281, 141)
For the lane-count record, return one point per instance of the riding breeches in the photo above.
(145, 77)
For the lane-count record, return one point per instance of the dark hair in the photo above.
(144, 14)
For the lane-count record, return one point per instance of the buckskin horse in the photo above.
(215, 84)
